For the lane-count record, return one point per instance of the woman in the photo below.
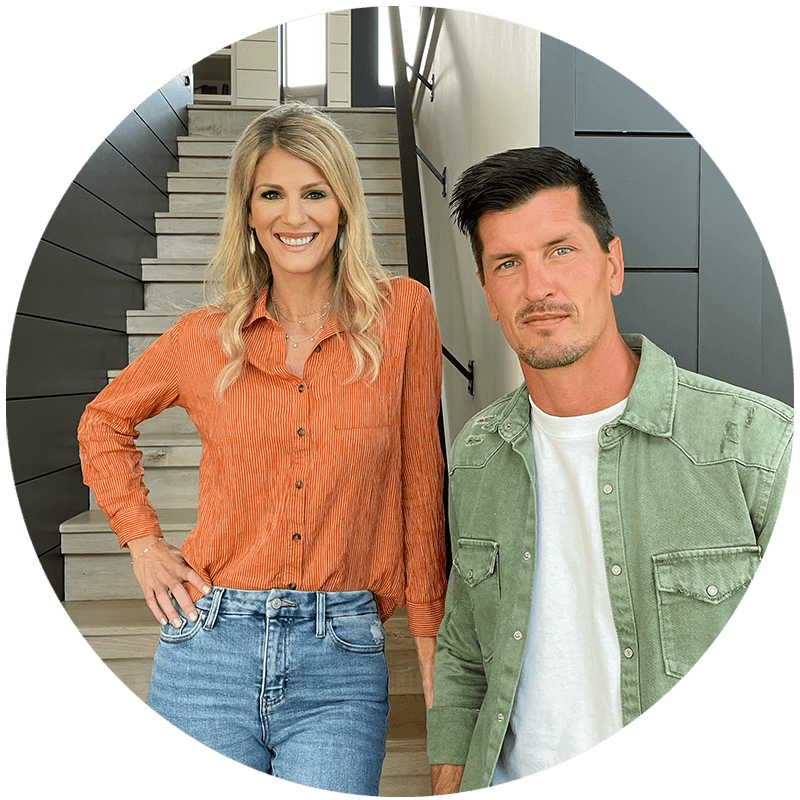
(314, 386)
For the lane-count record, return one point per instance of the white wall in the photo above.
(486, 100)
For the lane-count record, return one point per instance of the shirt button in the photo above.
(616, 570)
(500, 717)
(297, 537)
(608, 488)
(292, 586)
(628, 652)
(301, 431)
(317, 349)
(517, 635)
(712, 591)
(298, 484)
(469, 573)
(609, 431)
(300, 388)
(526, 556)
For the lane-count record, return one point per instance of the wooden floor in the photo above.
(124, 634)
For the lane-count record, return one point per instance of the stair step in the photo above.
(168, 222)
(173, 270)
(358, 123)
(214, 203)
(216, 183)
(222, 147)
(367, 165)
(390, 247)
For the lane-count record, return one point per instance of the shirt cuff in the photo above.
(450, 734)
(424, 618)
(135, 523)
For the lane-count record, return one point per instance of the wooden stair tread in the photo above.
(175, 519)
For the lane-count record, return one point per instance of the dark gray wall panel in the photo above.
(557, 95)
(57, 496)
(651, 189)
(64, 286)
(179, 96)
(608, 101)
(139, 145)
(663, 307)
(48, 358)
(777, 378)
(730, 284)
(86, 225)
(109, 176)
(52, 563)
(161, 118)
(39, 433)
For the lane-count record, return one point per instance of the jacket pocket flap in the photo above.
(710, 575)
(475, 559)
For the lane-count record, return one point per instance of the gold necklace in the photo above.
(296, 342)
(280, 308)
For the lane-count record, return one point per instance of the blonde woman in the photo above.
(314, 384)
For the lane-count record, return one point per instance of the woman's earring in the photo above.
(252, 243)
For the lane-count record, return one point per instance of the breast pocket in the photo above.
(476, 563)
(697, 591)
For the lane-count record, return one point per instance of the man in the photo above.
(606, 516)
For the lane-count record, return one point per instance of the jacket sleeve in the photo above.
(774, 492)
(107, 433)
(459, 679)
(423, 471)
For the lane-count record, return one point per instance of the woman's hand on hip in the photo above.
(162, 571)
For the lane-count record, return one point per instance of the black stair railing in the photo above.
(412, 195)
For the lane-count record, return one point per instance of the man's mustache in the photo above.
(543, 307)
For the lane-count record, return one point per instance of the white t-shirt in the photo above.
(568, 697)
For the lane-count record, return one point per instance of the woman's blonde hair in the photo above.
(238, 276)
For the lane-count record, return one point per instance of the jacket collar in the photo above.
(651, 402)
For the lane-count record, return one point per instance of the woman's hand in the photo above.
(161, 571)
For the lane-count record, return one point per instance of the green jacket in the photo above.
(690, 478)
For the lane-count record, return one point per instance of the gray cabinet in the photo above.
(697, 280)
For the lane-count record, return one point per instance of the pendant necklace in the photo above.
(322, 316)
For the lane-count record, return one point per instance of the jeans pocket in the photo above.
(358, 633)
(187, 630)
(697, 591)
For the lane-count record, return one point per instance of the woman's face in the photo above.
(294, 214)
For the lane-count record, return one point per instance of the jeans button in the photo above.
(276, 603)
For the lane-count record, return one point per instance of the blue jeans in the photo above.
(290, 683)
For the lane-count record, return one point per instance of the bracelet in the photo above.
(149, 547)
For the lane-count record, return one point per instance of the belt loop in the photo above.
(320, 615)
(214, 610)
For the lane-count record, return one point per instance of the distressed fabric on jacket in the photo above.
(315, 483)
(690, 478)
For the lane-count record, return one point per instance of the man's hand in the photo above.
(446, 778)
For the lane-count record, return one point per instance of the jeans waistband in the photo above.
(286, 603)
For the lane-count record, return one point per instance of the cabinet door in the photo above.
(640, 309)
(650, 186)
(608, 101)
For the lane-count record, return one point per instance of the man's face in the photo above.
(547, 280)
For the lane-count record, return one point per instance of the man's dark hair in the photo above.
(506, 180)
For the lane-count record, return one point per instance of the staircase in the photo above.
(101, 595)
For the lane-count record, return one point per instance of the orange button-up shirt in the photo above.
(315, 483)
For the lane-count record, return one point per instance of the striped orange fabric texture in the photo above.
(318, 483)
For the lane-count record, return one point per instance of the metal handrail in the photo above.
(416, 249)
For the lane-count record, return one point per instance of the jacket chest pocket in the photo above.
(475, 560)
(697, 591)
